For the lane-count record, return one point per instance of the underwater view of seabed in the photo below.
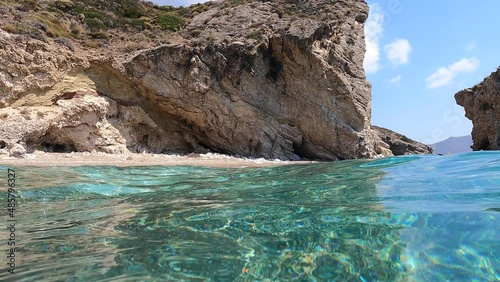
(411, 218)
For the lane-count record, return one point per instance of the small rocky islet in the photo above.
(261, 79)
(482, 106)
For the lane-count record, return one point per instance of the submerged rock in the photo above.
(279, 80)
(482, 107)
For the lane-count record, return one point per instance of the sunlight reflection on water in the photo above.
(415, 218)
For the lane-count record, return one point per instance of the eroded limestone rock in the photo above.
(260, 90)
(397, 144)
(482, 107)
(253, 83)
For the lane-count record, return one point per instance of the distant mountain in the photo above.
(453, 145)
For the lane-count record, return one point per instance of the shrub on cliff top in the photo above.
(29, 5)
(199, 8)
(237, 2)
(100, 35)
(405, 139)
(95, 24)
(133, 12)
(80, 18)
(63, 5)
(170, 21)
(51, 25)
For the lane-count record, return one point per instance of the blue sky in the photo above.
(419, 54)
(427, 52)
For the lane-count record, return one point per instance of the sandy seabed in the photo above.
(101, 159)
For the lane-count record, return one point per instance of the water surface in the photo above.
(413, 218)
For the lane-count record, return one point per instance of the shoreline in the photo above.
(40, 159)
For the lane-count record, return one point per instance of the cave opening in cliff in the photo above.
(484, 144)
(2, 144)
(57, 148)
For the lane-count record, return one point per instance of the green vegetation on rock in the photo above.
(170, 21)
(86, 18)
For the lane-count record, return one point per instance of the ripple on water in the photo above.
(424, 218)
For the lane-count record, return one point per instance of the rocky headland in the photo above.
(482, 107)
(272, 79)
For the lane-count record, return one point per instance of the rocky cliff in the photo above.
(482, 106)
(273, 79)
(399, 144)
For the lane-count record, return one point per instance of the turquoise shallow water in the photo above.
(414, 218)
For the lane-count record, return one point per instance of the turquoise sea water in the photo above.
(413, 218)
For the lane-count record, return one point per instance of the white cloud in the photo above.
(373, 33)
(445, 75)
(470, 46)
(398, 51)
(395, 79)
